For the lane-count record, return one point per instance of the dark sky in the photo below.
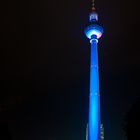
(44, 74)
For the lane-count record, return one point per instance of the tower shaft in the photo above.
(94, 97)
(94, 31)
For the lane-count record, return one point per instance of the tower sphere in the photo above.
(93, 29)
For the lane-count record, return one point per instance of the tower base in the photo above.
(101, 132)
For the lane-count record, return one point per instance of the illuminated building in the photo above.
(94, 31)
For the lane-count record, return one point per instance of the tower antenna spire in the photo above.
(93, 5)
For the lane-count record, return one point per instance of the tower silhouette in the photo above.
(94, 31)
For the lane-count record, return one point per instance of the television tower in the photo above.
(94, 31)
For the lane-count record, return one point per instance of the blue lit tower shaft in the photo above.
(94, 32)
(94, 97)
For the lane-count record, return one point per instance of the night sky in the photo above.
(44, 73)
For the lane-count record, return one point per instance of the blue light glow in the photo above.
(94, 105)
(93, 16)
(94, 32)
(94, 29)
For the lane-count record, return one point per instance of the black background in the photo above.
(44, 73)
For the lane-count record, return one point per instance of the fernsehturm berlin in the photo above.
(94, 31)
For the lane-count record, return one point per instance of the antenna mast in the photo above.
(93, 5)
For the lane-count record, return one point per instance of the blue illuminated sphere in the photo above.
(94, 30)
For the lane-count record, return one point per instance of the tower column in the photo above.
(94, 97)
(94, 31)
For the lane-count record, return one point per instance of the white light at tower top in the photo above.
(93, 16)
